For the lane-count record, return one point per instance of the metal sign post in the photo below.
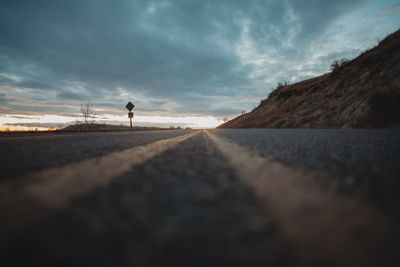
(129, 107)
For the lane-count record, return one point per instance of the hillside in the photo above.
(362, 93)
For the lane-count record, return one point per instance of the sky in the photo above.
(185, 63)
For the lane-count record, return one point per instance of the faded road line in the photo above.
(55, 187)
(335, 230)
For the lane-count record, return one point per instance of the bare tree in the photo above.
(87, 113)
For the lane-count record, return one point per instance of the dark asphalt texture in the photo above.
(26, 153)
(366, 163)
(186, 206)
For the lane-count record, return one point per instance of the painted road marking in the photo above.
(56, 187)
(336, 230)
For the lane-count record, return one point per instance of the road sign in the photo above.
(129, 106)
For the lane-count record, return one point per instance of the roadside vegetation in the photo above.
(88, 115)
(279, 85)
(338, 63)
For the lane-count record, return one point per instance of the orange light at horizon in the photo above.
(11, 121)
(18, 128)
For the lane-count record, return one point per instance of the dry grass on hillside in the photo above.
(362, 93)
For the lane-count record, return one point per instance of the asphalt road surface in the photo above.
(270, 197)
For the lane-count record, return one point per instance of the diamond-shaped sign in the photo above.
(129, 106)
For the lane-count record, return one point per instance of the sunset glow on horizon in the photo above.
(24, 122)
(18, 128)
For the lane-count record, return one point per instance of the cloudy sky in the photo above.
(181, 62)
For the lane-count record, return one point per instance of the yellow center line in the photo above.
(336, 230)
(54, 188)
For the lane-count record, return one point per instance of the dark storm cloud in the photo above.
(161, 50)
(2, 98)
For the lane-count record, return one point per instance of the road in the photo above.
(270, 197)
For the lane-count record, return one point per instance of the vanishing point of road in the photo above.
(266, 197)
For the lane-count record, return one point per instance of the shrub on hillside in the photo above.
(278, 86)
(282, 84)
(337, 63)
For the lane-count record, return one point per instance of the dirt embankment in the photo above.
(362, 93)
